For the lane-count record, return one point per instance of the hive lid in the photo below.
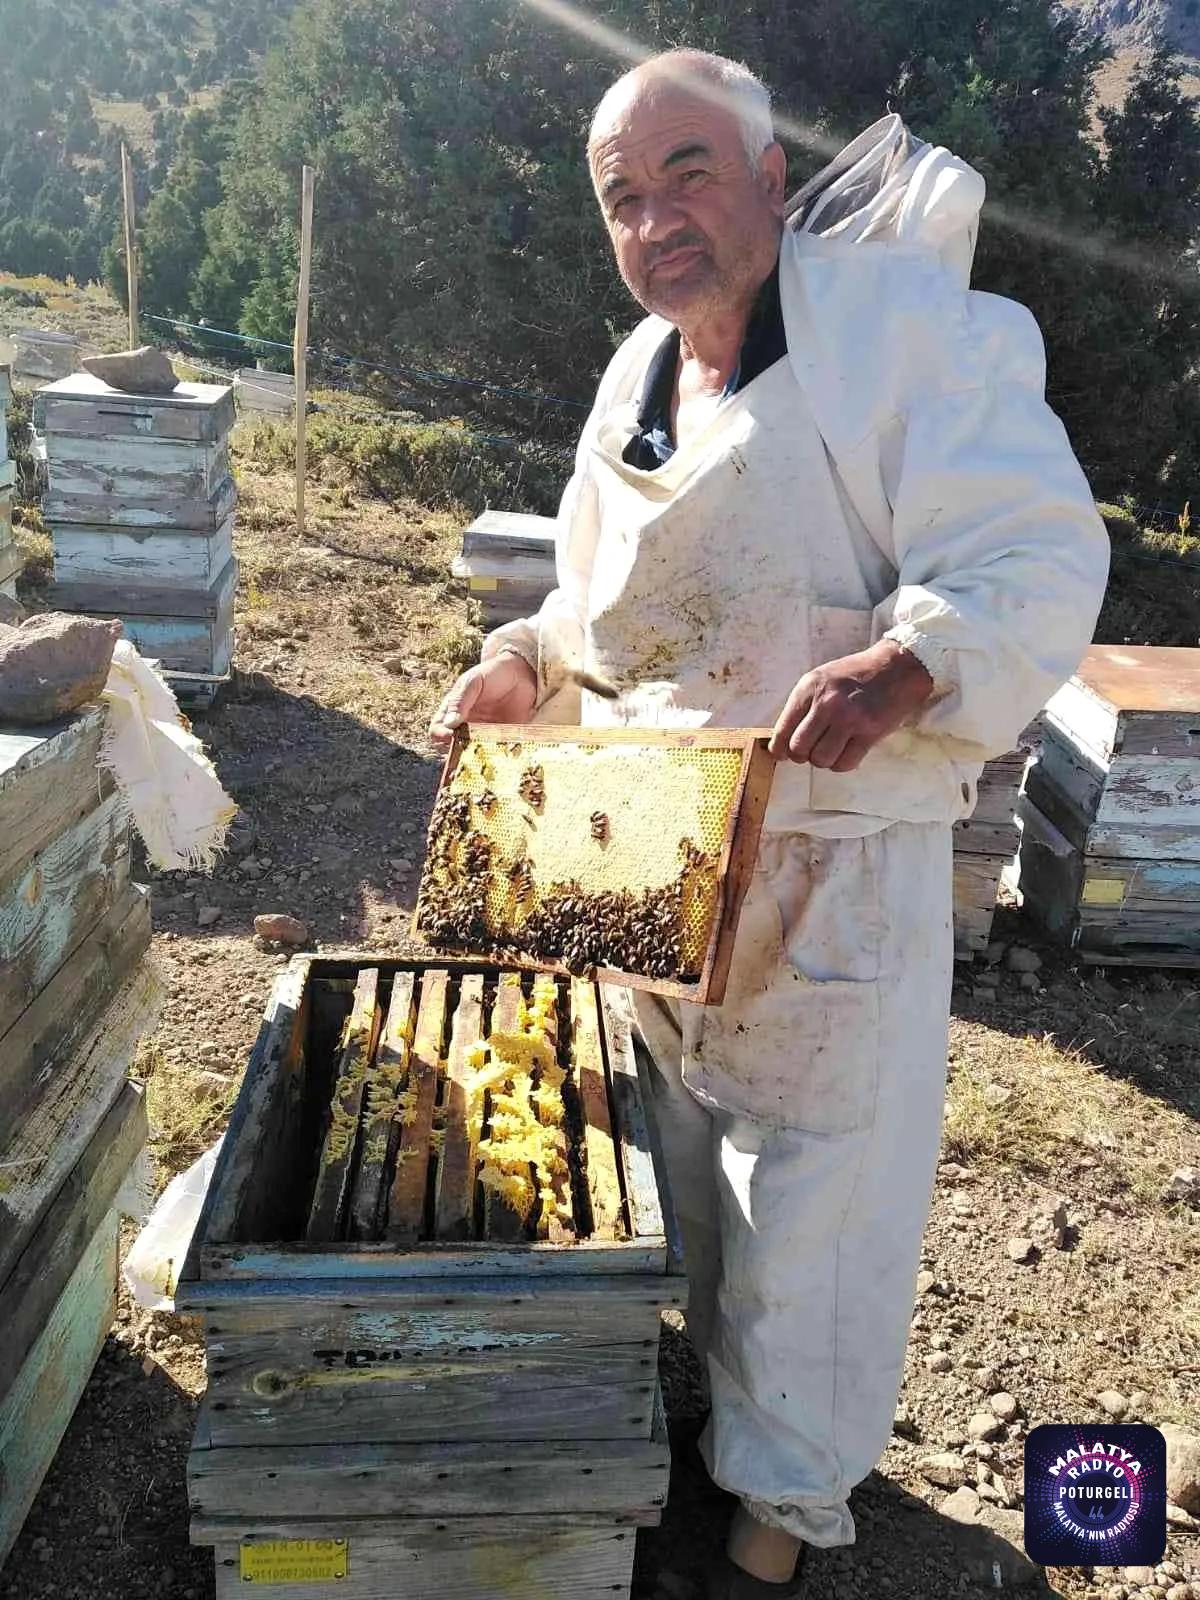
(82, 386)
(1142, 678)
(516, 532)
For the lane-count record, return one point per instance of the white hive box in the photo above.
(271, 393)
(10, 560)
(984, 843)
(43, 355)
(1110, 850)
(507, 560)
(140, 507)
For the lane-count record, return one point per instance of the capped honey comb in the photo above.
(623, 853)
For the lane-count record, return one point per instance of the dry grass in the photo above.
(1033, 1105)
(86, 310)
(37, 552)
(187, 1115)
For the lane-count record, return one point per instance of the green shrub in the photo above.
(1154, 585)
(440, 464)
(12, 294)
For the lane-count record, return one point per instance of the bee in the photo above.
(532, 787)
(599, 827)
(520, 875)
(486, 802)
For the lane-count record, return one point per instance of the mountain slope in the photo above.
(1137, 24)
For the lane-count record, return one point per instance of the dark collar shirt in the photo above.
(652, 445)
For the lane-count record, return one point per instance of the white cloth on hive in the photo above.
(168, 783)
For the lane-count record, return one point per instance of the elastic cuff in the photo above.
(496, 645)
(825, 1527)
(938, 659)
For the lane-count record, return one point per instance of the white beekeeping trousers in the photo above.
(801, 1123)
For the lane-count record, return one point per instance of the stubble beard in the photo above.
(702, 292)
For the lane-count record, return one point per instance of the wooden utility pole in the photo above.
(300, 344)
(131, 266)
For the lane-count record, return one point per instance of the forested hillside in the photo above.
(76, 76)
(455, 226)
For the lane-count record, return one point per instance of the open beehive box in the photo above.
(618, 853)
(430, 1268)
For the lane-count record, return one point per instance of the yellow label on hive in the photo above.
(483, 585)
(295, 1561)
(1103, 892)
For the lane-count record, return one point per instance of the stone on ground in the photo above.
(983, 1425)
(946, 1469)
(1020, 1250)
(281, 929)
(1114, 1402)
(1004, 1405)
(1183, 1467)
(1184, 1186)
(1020, 959)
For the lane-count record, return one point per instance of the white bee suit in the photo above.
(897, 473)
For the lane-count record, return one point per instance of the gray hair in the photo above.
(729, 84)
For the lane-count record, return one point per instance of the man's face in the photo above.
(694, 229)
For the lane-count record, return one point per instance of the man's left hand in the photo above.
(838, 712)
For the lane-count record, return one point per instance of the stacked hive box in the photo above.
(140, 508)
(42, 355)
(1110, 822)
(271, 393)
(10, 561)
(410, 1391)
(75, 996)
(508, 561)
(984, 843)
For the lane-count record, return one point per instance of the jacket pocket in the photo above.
(795, 1045)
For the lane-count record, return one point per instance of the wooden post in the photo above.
(131, 268)
(300, 345)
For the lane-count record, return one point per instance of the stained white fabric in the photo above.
(164, 777)
(898, 474)
(800, 1124)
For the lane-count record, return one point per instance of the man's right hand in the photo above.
(503, 689)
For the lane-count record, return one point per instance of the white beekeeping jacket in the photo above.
(977, 538)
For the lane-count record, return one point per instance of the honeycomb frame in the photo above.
(533, 821)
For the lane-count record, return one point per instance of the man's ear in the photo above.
(772, 174)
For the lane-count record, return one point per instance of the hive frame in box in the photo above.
(439, 1414)
(739, 849)
(269, 1105)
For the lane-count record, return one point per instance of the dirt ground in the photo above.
(1084, 1089)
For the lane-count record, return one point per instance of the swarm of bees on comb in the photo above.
(476, 898)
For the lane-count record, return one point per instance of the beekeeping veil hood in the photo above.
(887, 185)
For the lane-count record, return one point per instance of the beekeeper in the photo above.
(820, 490)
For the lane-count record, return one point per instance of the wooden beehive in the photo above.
(507, 560)
(1110, 848)
(393, 1363)
(10, 559)
(620, 852)
(43, 354)
(984, 844)
(74, 1000)
(271, 393)
(140, 508)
